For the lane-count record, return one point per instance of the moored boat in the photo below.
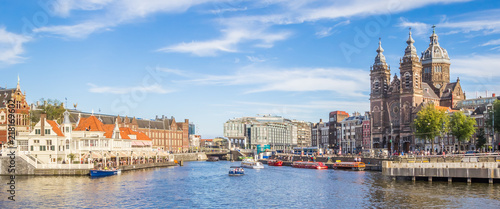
(275, 162)
(309, 164)
(250, 163)
(102, 173)
(358, 166)
(236, 171)
(213, 159)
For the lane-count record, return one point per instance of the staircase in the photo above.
(28, 159)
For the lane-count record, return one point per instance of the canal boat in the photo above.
(250, 163)
(309, 164)
(213, 159)
(357, 166)
(102, 173)
(275, 162)
(236, 171)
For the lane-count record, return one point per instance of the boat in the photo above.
(236, 171)
(250, 163)
(309, 164)
(213, 159)
(102, 173)
(357, 166)
(275, 162)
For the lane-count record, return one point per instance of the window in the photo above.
(43, 148)
(37, 131)
(407, 80)
(47, 131)
(67, 129)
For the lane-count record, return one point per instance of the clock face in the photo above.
(438, 86)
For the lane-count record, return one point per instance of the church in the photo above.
(394, 103)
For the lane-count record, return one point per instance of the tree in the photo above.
(481, 138)
(71, 156)
(462, 127)
(430, 123)
(53, 108)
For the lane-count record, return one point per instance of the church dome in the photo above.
(435, 53)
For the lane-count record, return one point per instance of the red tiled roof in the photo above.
(125, 132)
(90, 124)
(108, 130)
(55, 127)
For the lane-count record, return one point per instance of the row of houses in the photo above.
(89, 135)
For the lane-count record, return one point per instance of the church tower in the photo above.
(380, 75)
(410, 71)
(436, 65)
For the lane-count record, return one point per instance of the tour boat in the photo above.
(309, 164)
(358, 166)
(102, 173)
(250, 163)
(236, 171)
(274, 162)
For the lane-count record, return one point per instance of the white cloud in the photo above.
(156, 88)
(228, 43)
(477, 66)
(324, 32)
(110, 13)
(492, 43)
(11, 46)
(345, 82)
(486, 22)
(255, 59)
(417, 28)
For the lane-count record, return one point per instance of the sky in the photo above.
(214, 60)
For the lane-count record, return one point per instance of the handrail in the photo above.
(27, 159)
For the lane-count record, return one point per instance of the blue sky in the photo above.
(213, 60)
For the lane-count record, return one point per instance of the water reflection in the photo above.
(207, 185)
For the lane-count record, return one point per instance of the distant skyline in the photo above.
(213, 60)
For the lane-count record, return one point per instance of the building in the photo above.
(50, 142)
(21, 112)
(303, 133)
(351, 133)
(395, 103)
(334, 128)
(166, 133)
(366, 145)
(194, 142)
(319, 135)
(278, 132)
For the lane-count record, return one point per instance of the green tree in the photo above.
(481, 138)
(462, 127)
(71, 156)
(53, 108)
(430, 123)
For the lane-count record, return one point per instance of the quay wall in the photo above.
(190, 156)
(148, 165)
(22, 167)
(485, 170)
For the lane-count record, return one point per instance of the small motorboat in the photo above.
(236, 171)
(102, 173)
(213, 159)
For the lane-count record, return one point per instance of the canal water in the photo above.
(207, 185)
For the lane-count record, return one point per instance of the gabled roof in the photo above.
(55, 127)
(90, 124)
(428, 92)
(448, 91)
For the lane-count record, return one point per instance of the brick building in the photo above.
(21, 113)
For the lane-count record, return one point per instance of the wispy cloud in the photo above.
(11, 46)
(485, 22)
(156, 88)
(106, 14)
(467, 66)
(228, 43)
(492, 43)
(324, 32)
(255, 59)
(417, 28)
(345, 82)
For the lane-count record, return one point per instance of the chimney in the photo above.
(43, 117)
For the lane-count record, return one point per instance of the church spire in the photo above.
(380, 58)
(18, 86)
(410, 50)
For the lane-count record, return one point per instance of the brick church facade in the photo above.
(395, 102)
